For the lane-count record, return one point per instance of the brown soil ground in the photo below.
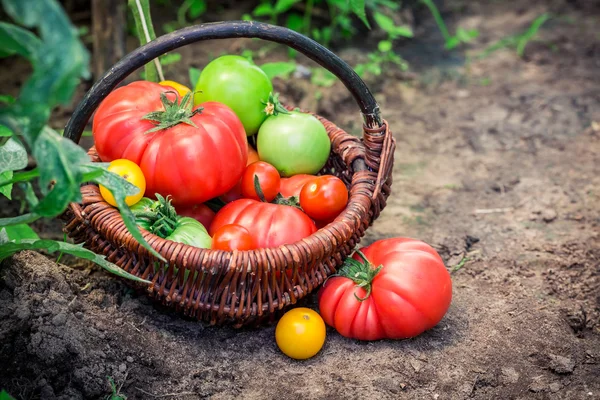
(497, 166)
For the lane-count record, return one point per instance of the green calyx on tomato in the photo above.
(292, 141)
(160, 218)
(175, 112)
(361, 273)
(238, 83)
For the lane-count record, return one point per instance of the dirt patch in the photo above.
(497, 167)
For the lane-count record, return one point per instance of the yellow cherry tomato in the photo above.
(133, 174)
(300, 333)
(181, 89)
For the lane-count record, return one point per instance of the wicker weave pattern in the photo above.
(246, 287)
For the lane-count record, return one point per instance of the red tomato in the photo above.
(270, 225)
(293, 185)
(232, 237)
(192, 164)
(324, 197)
(408, 295)
(252, 155)
(268, 179)
(200, 212)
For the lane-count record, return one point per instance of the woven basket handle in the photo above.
(378, 140)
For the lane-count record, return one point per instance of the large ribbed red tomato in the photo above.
(270, 225)
(191, 153)
(409, 294)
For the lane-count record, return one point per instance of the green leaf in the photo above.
(295, 22)
(61, 175)
(263, 10)
(358, 8)
(322, 77)
(13, 156)
(20, 219)
(16, 40)
(52, 246)
(197, 8)
(452, 42)
(6, 98)
(281, 69)
(5, 132)
(530, 33)
(384, 22)
(120, 189)
(246, 17)
(5, 396)
(404, 31)
(16, 233)
(384, 46)
(6, 190)
(194, 74)
(30, 196)
(170, 58)
(283, 5)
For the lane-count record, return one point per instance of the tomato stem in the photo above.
(287, 201)
(273, 106)
(258, 189)
(174, 113)
(361, 273)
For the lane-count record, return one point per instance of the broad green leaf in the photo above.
(404, 31)
(16, 40)
(358, 8)
(120, 189)
(283, 5)
(194, 76)
(281, 69)
(16, 233)
(13, 156)
(20, 219)
(384, 46)
(295, 22)
(197, 8)
(263, 10)
(384, 22)
(60, 176)
(5, 132)
(6, 190)
(52, 246)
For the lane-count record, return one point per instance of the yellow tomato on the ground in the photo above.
(300, 333)
(133, 174)
(181, 89)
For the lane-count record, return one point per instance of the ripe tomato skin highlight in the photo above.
(300, 333)
(268, 179)
(324, 197)
(292, 186)
(191, 164)
(200, 212)
(410, 294)
(232, 237)
(240, 84)
(181, 89)
(271, 225)
(132, 174)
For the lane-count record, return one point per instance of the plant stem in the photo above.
(438, 19)
(22, 177)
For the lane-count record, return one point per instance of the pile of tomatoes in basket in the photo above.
(190, 153)
(208, 187)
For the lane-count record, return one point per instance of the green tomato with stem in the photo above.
(191, 232)
(238, 83)
(292, 141)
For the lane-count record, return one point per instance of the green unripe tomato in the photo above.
(294, 143)
(238, 83)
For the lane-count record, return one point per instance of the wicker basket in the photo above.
(241, 287)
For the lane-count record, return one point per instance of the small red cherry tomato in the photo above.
(200, 212)
(268, 179)
(232, 237)
(324, 197)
